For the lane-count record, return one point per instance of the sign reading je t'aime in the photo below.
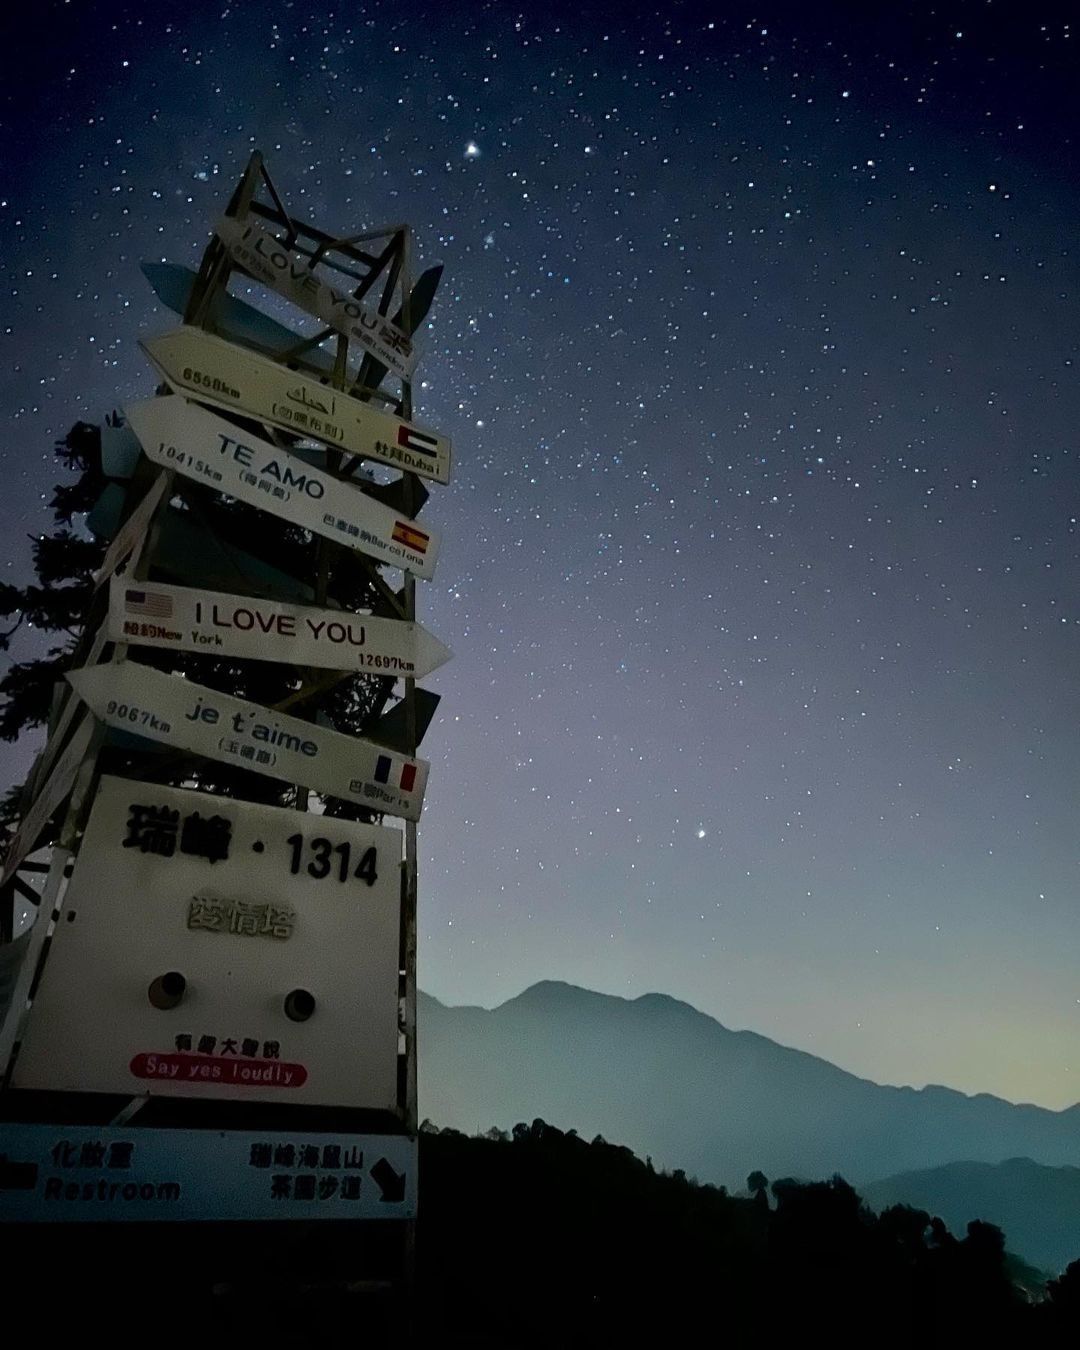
(116, 1173)
(179, 713)
(212, 370)
(179, 435)
(248, 904)
(182, 618)
(274, 265)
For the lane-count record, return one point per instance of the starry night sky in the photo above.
(758, 346)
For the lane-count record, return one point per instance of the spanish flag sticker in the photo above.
(406, 534)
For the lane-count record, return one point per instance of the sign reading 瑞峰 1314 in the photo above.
(247, 904)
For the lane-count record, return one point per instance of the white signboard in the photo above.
(130, 533)
(180, 435)
(271, 263)
(212, 370)
(252, 907)
(188, 716)
(56, 788)
(117, 1173)
(152, 614)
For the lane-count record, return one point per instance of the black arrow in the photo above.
(16, 1176)
(388, 1181)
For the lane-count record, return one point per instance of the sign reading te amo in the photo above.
(244, 456)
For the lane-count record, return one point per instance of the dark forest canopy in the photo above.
(542, 1239)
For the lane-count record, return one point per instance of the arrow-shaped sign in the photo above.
(389, 1182)
(215, 371)
(241, 322)
(235, 318)
(202, 446)
(181, 618)
(190, 717)
(258, 252)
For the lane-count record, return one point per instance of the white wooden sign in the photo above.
(272, 263)
(177, 712)
(181, 618)
(213, 370)
(202, 446)
(248, 904)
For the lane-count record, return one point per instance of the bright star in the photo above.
(472, 151)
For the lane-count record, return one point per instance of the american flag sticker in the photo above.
(406, 779)
(410, 537)
(150, 604)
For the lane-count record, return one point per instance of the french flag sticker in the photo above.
(383, 766)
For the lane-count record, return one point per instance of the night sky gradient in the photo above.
(758, 345)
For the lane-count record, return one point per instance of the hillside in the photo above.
(1038, 1206)
(675, 1084)
(547, 1240)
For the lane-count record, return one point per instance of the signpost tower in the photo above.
(223, 962)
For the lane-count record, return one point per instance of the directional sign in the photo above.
(270, 262)
(215, 371)
(153, 614)
(247, 904)
(190, 717)
(235, 318)
(118, 1173)
(57, 786)
(121, 452)
(241, 322)
(202, 446)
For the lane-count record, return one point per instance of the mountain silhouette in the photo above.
(1037, 1206)
(673, 1083)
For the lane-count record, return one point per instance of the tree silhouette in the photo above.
(1064, 1292)
(598, 1249)
(757, 1183)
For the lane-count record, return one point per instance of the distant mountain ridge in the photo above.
(1037, 1206)
(671, 1082)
